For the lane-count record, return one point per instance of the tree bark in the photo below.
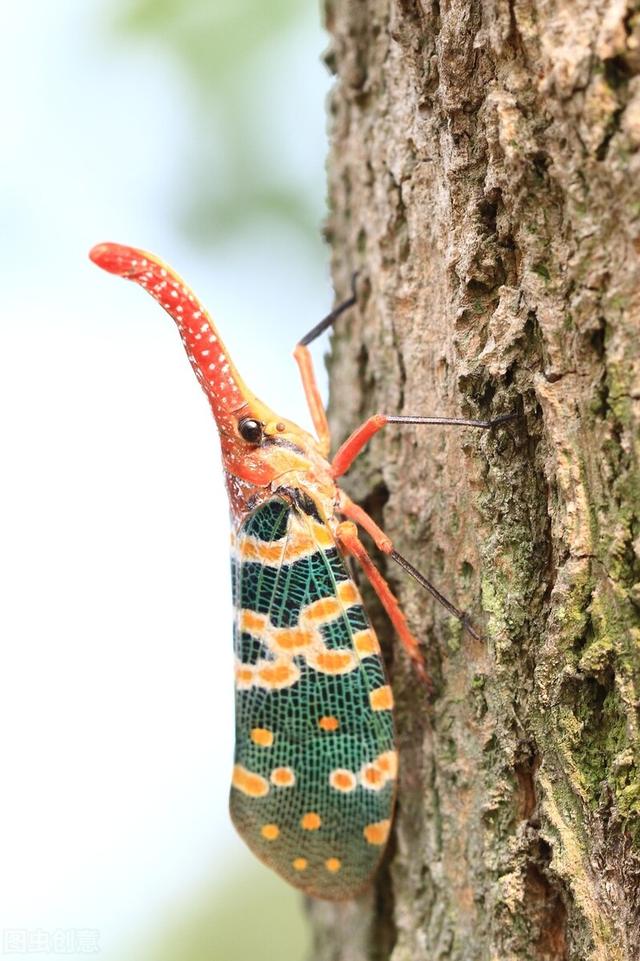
(484, 177)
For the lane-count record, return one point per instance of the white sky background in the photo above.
(116, 706)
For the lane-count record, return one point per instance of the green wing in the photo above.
(315, 766)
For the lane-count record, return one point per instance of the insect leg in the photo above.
(384, 544)
(303, 359)
(348, 536)
(362, 519)
(314, 401)
(352, 446)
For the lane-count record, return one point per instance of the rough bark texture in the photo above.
(485, 177)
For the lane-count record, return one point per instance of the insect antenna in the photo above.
(331, 318)
(450, 421)
(422, 580)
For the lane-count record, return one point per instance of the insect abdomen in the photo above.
(315, 767)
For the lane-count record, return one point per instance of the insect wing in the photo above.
(313, 784)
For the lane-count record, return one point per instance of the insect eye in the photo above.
(250, 430)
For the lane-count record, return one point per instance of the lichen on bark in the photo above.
(484, 178)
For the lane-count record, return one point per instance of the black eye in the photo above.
(250, 430)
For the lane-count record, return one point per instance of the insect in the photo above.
(314, 779)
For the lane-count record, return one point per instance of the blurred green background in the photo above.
(195, 129)
(249, 153)
(248, 916)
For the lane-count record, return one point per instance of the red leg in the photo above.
(314, 401)
(363, 434)
(385, 544)
(362, 519)
(348, 537)
(352, 446)
(305, 365)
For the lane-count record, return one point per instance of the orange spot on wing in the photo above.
(249, 783)
(299, 545)
(333, 864)
(300, 542)
(366, 643)
(267, 553)
(382, 769)
(326, 609)
(343, 780)
(270, 831)
(262, 737)
(253, 623)
(332, 662)
(311, 821)
(244, 676)
(372, 777)
(381, 699)
(282, 777)
(377, 833)
(277, 675)
(300, 864)
(292, 639)
(329, 723)
(348, 593)
(322, 535)
(388, 763)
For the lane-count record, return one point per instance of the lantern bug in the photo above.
(314, 779)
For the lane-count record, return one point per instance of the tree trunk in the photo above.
(484, 177)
